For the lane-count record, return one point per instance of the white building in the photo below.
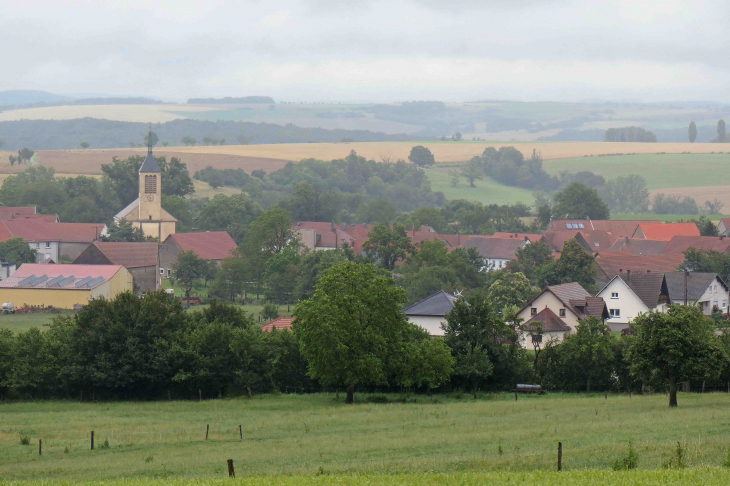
(430, 313)
(628, 295)
(497, 252)
(707, 290)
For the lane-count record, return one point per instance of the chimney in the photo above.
(516, 235)
(628, 276)
(626, 241)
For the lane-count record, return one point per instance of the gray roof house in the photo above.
(430, 312)
(707, 290)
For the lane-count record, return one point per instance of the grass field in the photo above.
(314, 434)
(22, 322)
(487, 191)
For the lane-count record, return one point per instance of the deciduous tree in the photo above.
(692, 132)
(388, 245)
(577, 201)
(421, 156)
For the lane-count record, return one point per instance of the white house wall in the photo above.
(715, 295)
(628, 303)
(46, 250)
(432, 324)
(547, 299)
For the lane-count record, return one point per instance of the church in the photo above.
(146, 211)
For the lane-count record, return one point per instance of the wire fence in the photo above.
(111, 434)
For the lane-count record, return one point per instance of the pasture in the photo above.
(308, 435)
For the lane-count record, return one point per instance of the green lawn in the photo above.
(660, 171)
(487, 191)
(306, 435)
(22, 322)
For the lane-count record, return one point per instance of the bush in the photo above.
(628, 462)
(24, 439)
(677, 459)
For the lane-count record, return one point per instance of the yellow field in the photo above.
(442, 151)
(128, 113)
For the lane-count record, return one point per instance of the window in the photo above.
(162, 271)
(724, 304)
(562, 312)
(536, 338)
(595, 244)
(715, 288)
(48, 244)
(615, 312)
(533, 311)
(168, 273)
(580, 225)
(150, 184)
(614, 295)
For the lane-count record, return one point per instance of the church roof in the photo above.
(127, 213)
(150, 163)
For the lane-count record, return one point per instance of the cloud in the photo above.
(370, 50)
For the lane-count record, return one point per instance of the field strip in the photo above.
(700, 194)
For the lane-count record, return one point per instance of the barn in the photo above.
(63, 286)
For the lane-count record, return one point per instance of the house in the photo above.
(630, 294)
(666, 231)
(280, 323)
(26, 212)
(707, 290)
(530, 238)
(146, 211)
(64, 285)
(679, 244)
(39, 235)
(497, 252)
(74, 238)
(608, 265)
(591, 241)
(430, 313)
(723, 228)
(140, 259)
(567, 304)
(210, 245)
(322, 236)
(7, 269)
(615, 227)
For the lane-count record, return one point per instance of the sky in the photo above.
(371, 50)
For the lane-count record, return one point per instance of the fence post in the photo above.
(240, 431)
(231, 472)
(92, 440)
(560, 456)
(207, 428)
(515, 396)
(40, 447)
(200, 396)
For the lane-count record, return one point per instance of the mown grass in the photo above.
(707, 476)
(486, 191)
(307, 435)
(22, 322)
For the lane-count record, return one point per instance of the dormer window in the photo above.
(150, 184)
(562, 312)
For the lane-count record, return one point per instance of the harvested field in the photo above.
(446, 151)
(700, 194)
(127, 113)
(89, 161)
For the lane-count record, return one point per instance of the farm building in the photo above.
(52, 241)
(212, 245)
(63, 286)
(431, 312)
(666, 231)
(615, 227)
(141, 259)
(146, 211)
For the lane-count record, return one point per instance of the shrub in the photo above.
(677, 460)
(104, 445)
(628, 462)
(24, 439)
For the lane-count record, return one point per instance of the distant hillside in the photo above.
(245, 100)
(62, 134)
(24, 96)
(82, 102)
(705, 133)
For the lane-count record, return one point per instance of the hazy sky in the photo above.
(322, 50)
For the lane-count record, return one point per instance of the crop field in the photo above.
(308, 435)
(128, 113)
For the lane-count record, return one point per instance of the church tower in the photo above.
(150, 188)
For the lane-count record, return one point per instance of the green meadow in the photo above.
(317, 439)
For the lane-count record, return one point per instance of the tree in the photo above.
(377, 211)
(188, 268)
(473, 171)
(188, 140)
(124, 231)
(674, 347)
(228, 213)
(421, 156)
(709, 261)
(124, 177)
(626, 194)
(714, 206)
(270, 311)
(721, 131)
(180, 209)
(472, 328)
(151, 139)
(353, 327)
(692, 132)
(388, 245)
(510, 289)
(165, 144)
(456, 136)
(26, 154)
(574, 265)
(530, 259)
(176, 179)
(84, 145)
(577, 201)
(232, 279)
(18, 251)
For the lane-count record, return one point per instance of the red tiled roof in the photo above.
(281, 323)
(615, 227)
(79, 232)
(213, 245)
(24, 210)
(329, 239)
(666, 231)
(680, 244)
(129, 255)
(28, 229)
(80, 272)
(612, 265)
(639, 246)
(489, 247)
(48, 218)
(550, 322)
(519, 236)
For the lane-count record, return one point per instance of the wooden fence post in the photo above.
(560, 456)
(40, 447)
(240, 431)
(92, 440)
(515, 396)
(207, 428)
(231, 472)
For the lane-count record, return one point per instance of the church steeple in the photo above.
(150, 163)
